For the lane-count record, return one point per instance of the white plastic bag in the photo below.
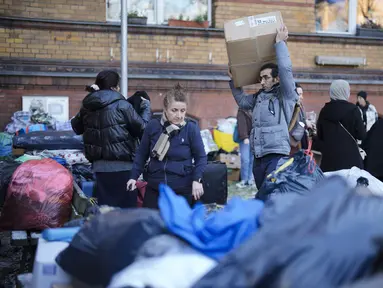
(208, 141)
(226, 125)
(353, 174)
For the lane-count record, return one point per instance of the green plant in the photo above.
(201, 18)
(181, 17)
(133, 14)
(205, 18)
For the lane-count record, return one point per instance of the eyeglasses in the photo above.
(264, 77)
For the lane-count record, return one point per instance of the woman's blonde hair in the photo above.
(177, 94)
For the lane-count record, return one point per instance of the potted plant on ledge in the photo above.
(370, 29)
(199, 22)
(135, 18)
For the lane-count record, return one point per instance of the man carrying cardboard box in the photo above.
(272, 108)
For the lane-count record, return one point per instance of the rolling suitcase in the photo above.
(214, 182)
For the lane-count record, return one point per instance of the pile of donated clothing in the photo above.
(326, 235)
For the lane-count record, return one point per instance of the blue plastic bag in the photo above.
(215, 235)
(32, 128)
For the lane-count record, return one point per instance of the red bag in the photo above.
(141, 187)
(39, 196)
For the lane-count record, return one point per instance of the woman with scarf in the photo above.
(339, 127)
(171, 143)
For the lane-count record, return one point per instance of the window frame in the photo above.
(352, 21)
(160, 19)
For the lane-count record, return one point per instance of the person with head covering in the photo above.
(111, 128)
(368, 111)
(339, 127)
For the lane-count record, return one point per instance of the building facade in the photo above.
(55, 48)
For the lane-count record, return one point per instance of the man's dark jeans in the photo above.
(264, 166)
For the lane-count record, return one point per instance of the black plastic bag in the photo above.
(49, 140)
(370, 282)
(108, 243)
(297, 174)
(6, 171)
(82, 173)
(326, 238)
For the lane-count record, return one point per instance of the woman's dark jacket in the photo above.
(110, 126)
(373, 145)
(177, 169)
(339, 149)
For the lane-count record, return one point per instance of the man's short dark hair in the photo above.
(273, 67)
(297, 85)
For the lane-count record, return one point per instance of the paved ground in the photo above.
(10, 256)
(246, 193)
(9, 261)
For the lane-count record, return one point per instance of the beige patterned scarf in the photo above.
(163, 143)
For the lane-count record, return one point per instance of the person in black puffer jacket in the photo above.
(111, 130)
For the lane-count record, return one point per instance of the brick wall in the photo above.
(82, 10)
(46, 43)
(207, 106)
(33, 43)
(201, 106)
(298, 15)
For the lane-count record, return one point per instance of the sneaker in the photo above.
(252, 184)
(241, 184)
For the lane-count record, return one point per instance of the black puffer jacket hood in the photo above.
(110, 126)
(100, 99)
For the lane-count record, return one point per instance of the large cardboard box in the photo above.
(250, 44)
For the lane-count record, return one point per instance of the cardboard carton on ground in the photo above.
(18, 151)
(233, 175)
(232, 161)
(250, 44)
